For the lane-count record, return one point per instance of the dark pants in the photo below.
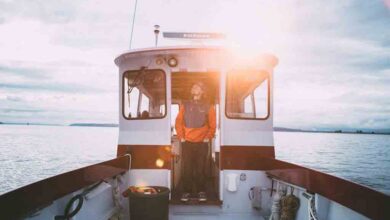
(194, 166)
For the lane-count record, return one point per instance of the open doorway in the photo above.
(181, 86)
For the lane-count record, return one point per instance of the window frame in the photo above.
(268, 78)
(140, 94)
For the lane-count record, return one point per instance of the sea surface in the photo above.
(32, 153)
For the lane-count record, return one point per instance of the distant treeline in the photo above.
(358, 131)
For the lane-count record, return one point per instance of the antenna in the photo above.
(156, 32)
(132, 26)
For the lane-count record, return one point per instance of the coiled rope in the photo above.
(312, 210)
(284, 207)
(290, 206)
(275, 208)
(80, 198)
(117, 198)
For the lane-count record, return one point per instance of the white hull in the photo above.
(100, 205)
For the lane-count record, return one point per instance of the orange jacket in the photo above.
(195, 134)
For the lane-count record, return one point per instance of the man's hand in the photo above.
(206, 140)
(182, 140)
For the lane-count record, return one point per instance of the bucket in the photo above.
(148, 203)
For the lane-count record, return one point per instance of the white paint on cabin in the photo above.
(158, 131)
(239, 202)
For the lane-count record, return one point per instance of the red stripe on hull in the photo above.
(244, 157)
(147, 156)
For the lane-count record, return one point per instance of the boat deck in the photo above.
(212, 199)
(206, 212)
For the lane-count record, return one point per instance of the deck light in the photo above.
(159, 163)
(172, 62)
(159, 61)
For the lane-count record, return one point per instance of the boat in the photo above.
(245, 180)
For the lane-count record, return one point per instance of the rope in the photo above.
(311, 209)
(67, 214)
(116, 196)
(284, 207)
(290, 205)
(275, 208)
(80, 198)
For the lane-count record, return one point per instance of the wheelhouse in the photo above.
(154, 82)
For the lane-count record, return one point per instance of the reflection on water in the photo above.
(32, 153)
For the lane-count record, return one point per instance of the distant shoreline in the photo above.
(281, 129)
(64, 125)
(39, 124)
(359, 131)
(93, 125)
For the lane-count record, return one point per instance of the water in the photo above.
(32, 153)
(361, 158)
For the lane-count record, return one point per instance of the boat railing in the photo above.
(362, 199)
(28, 200)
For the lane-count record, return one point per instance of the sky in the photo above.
(56, 57)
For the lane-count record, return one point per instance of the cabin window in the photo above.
(144, 94)
(247, 95)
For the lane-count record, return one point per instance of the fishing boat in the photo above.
(245, 180)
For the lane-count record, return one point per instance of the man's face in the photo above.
(196, 90)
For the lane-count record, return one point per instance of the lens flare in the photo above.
(159, 163)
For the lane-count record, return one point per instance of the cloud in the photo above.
(335, 71)
(334, 67)
(14, 98)
(21, 110)
(61, 11)
(28, 72)
(55, 117)
(50, 87)
(58, 56)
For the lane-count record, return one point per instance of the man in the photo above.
(195, 126)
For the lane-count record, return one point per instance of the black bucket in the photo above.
(149, 203)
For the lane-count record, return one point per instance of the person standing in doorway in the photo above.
(195, 126)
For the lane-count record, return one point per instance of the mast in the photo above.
(132, 26)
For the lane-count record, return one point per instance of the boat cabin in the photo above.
(155, 82)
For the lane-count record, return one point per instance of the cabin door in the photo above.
(182, 83)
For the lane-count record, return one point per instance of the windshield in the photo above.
(247, 95)
(144, 94)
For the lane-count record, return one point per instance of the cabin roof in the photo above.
(165, 49)
(169, 49)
